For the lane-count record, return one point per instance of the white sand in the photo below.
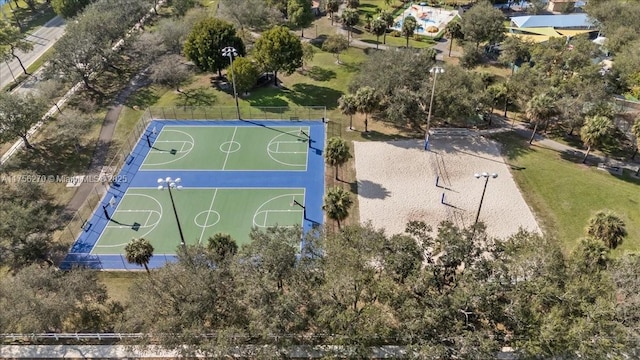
(396, 184)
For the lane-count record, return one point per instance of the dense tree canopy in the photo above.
(205, 43)
(482, 23)
(278, 50)
(405, 93)
(69, 8)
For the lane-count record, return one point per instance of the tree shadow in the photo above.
(52, 157)
(369, 189)
(142, 98)
(267, 98)
(197, 97)
(320, 74)
(313, 95)
(513, 146)
(349, 67)
(378, 136)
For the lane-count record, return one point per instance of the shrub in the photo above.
(395, 33)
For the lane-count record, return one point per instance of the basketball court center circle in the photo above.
(210, 218)
(229, 147)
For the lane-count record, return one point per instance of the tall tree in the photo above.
(181, 7)
(173, 33)
(245, 73)
(337, 153)
(367, 101)
(348, 106)
(595, 132)
(335, 44)
(378, 27)
(332, 6)
(205, 43)
(483, 23)
(337, 203)
(58, 301)
(539, 110)
(515, 51)
(171, 71)
(350, 18)
(12, 39)
(607, 227)
(69, 8)
(388, 19)
(252, 14)
(185, 299)
(18, 113)
(277, 49)
(300, 15)
(139, 251)
(453, 30)
(409, 25)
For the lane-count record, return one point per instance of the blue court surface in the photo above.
(234, 176)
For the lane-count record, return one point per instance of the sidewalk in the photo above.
(540, 140)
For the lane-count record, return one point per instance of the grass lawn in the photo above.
(564, 194)
(118, 283)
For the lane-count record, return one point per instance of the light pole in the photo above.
(231, 52)
(172, 184)
(486, 177)
(435, 71)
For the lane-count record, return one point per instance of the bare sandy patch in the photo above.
(397, 184)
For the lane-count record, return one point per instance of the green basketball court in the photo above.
(230, 148)
(202, 212)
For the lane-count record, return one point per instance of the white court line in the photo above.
(206, 220)
(227, 157)
(147, 220)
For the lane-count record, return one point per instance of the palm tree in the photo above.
(387, 2)
(332, 7)
(337, 153)
(388, 19)
(367, 101)
(635, 129)
(595, 131)
(139, 251)
(337, 203)
(347, 105)
(608, 227)
(453, 30)
(350, 17)
(540, 108)
(368, 18)
(409, 25)
(378, 27)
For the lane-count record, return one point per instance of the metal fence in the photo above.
(231, 113)
(79, 222)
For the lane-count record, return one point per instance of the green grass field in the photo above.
(565, 194)
(203, 212)
(241, 148)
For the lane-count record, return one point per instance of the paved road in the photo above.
(43, 38)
